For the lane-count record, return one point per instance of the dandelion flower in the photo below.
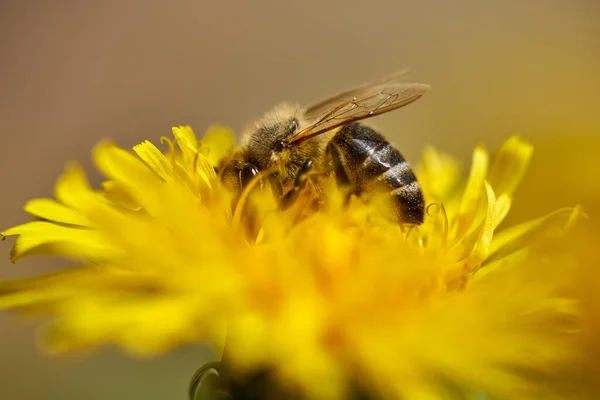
(323, 298)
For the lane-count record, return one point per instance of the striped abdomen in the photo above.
(363, 159)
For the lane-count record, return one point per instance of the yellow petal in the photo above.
(187, 142)
(124, 167)
(439, 174)
(129, 321)
(473, 193)
(509, 165)
(51, 210)
(425, 391)
(72, 188)
(520, 236)
(482, 246)
(186, 135)
(155, 159)
(474, 246)
(117, 193)
(198, 171)
(38, 237)
(217, 142)
(503, 204)
(438, 237)
(397, 308)
(204, 171)
(39, 292)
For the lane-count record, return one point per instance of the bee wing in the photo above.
(319, 108)
(356, 104)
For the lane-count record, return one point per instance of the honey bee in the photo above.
(292, 143)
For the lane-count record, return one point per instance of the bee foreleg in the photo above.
(342, 177)
(299, 184)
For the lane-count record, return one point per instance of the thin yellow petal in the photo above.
(186, 135)
(503, 204)
(122, 166)
(117, 193)
(39, 292)
(474, 246)
(155, 159)
(187, 142)
(204, 170)
(482, 246)
(474, 191)
(199, 171)
(438, 238)
(38, 301)
(217, 142)
(509, 165)
(520, 236)
(85, 244)
(439, 174)
(53, 211)
(72, 188)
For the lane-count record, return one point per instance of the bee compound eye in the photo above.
(278, 147)
(247, 173)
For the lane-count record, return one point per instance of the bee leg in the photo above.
(342, 178)
(299, 184)
(275, 181)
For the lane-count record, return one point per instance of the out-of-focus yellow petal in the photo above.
(72, 188)
(509, 165)
(132, 323)
(39, 237)
(217, 142)
(425, 391)
(53, 211)
(439, 174)
(503, 204)
(481, 248)
(474, 191)
(125, 168)
(40, 293)
(117, 193)
(520, 236)
(326, 294)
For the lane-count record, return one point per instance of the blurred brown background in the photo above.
(73, 72)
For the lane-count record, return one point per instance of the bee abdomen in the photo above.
(387, 166)
(409, 202)
(373, 163)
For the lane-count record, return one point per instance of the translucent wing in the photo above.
(365, 101)
(317, 109)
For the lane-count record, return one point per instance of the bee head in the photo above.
(264, 143)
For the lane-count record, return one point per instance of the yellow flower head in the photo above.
(325, 296)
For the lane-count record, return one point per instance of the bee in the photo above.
(292, 143)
